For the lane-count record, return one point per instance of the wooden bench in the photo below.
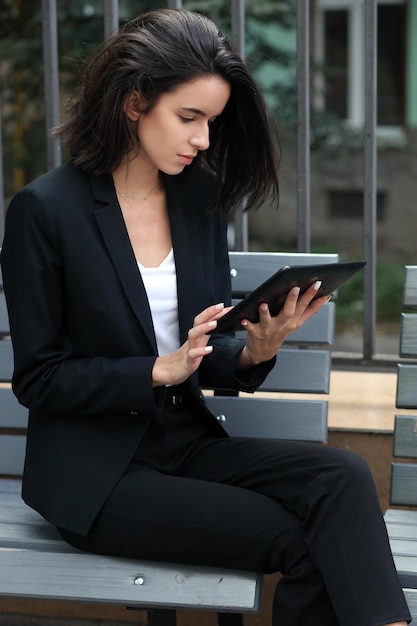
(402, 523)
(36, 563)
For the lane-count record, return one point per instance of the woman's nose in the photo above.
(201, 141)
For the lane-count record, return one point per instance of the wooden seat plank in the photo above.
(271, 419)
(406, 397)
(404, 484)
(249, 271)
(408, 335)
(94, 578)
(410, 287)
(401, 516)
(12, 454)
(12, 414)
(405, 436)
(300, 371)
(6, 360)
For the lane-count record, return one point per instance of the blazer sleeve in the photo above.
(47, 375)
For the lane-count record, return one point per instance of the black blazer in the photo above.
(83, 336)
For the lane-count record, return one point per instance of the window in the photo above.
(339, 52)
(348, 204)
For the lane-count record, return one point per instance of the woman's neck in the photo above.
(136, 180)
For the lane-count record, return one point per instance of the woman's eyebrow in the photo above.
(198, 112)
(193, 110)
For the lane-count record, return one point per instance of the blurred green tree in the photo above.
(270, 52)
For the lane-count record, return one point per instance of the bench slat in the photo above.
(410, 288)
(12, 454)
(319, 329)
(404, 547)
(272, 419)
(39, 536)
(15, 511)
(6, 360)
(402, 531)
(407, 570)
(404, 484)
(4, 318)
(411, 597)
(408, 335)
(406, 386)
(405, 436)
(248, 271)
(300, 371)
(401, 516)
(12, 414)
(94, 578)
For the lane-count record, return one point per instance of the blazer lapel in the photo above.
(112, 227)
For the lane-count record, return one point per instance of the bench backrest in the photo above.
(404, 474)
(303, 367)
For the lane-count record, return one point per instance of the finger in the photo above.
(291, 301)
(199, 335)
(310, 293)
(210, 313)
(264, 313)
(225, 310)
(199, 353)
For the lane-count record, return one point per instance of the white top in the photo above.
(161, 287)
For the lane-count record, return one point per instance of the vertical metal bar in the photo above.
(111, 17)
(370, 178)
(51, 80)
(2, 203)
(303, 128)
(237, 9)
(175, 4)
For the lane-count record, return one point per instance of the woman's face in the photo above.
(178, 126)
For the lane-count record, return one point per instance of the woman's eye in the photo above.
(186, 120)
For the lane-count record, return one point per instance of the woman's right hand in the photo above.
(175, 368)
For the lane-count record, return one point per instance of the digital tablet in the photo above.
(276, 288)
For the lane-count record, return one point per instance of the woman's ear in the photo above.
(134, 106)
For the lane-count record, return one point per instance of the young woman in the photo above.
(115, 269)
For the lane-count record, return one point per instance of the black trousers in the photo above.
(308, 511)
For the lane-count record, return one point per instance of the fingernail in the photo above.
(219, 306)
(208, 349)
(295, 291)
(212, 323)
(244, 323)
(317, 285)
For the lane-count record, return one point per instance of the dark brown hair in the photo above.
(154, 54)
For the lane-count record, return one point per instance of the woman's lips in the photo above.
(186, 159)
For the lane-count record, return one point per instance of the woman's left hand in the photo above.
(265, 337)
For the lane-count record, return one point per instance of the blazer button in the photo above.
(134, 413)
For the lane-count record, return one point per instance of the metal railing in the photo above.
(237, 8)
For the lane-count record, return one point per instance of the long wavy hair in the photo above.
(154, 54)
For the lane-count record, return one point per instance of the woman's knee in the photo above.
(349, 471)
